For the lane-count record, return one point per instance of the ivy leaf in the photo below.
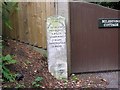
(38, 79)
(9, 25)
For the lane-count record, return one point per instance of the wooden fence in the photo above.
(29, 22)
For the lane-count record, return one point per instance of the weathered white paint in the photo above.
(56, 46)
(63, 10)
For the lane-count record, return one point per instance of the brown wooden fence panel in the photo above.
(29, 20)
(8, 32)
(32, 24)
(29, 23)
(22, 22)
(92, 48)
(13, 33)
(43, 14)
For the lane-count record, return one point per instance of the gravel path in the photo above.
(113, 78)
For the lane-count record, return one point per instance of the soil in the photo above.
(32, 64)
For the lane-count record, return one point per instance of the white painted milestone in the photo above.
(56, 46)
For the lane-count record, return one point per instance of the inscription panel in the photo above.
(56, 46)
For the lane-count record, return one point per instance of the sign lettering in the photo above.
(109, 23)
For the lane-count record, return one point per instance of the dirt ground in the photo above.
(32, 64)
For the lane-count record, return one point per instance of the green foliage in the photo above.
(7, 60)
(65, 81)
(28, 62)
(74, 77)
(1, 47)
(8, 9)
(20, 85)
(37, 81)
(113, 5)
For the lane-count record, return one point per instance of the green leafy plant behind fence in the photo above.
(7, 9)
(5, 61)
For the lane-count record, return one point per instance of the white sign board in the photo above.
(56, 46)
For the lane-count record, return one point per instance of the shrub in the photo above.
(37, 81)
(7, 9)
(7, 60)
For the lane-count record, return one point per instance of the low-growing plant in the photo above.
(64, 80)
(20, 85)
(28, 62)
(5, 61)
(7, 9)
(74, 77)
(37, 81)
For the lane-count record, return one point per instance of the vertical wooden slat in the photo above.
(25, 24)
(14, 21)
(52, 8)
(43, 8)
(39, 25)
(31, 23)
(34, 24)
(12, 32)
(47, 9)
(16, 24)
(20, 20)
